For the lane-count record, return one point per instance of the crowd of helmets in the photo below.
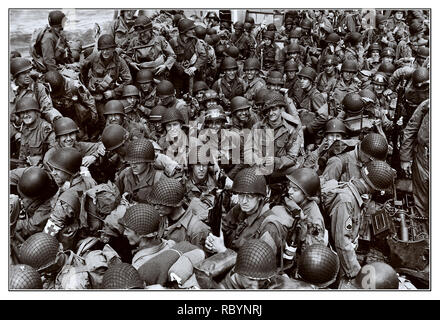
(100, 199)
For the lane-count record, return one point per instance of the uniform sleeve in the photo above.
(341, 227)
(125, 75)
(333, 169)
(48, 52)
(317, 102)
(202, 56)
(320, 120)
(45, 101)
(169, 52)
(410, 133)
(36, 222)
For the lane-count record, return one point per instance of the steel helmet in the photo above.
(251, 64)
(56, 81)
(353, 103)
(260, 95)
(185, 25)
(172, 114)
(165, 88)
(423, 52)
(375, 145)
(239, 103)
(332, 38)
(377, 275)
(318, 265)
(113, 107)
(295, 33)
(157, 112)
(420, 75)
(380, 79)
(141, 218)
(167, 192)
(249, 182)
(39, 251)
(130, 91)
(308, 72)
(388, 52)
(23, 277)
(19, 65)
(36, 182)
(215, 38)
(106, 41)
(199, 86)
(64, 126)
(200, 32)
(329, 60)
(247, 26)
(144, 76)
(275, 77)
(335, 125)
(380, 18)
(210, 95)
(269, 35)
(415, 27)
(306, 24)
(387, 68)
(378, 175)
(67, 160)
(354, 38)
(176, 19)
(368, 95)
(271, 27)
(143, 22)
(56, 18)
(229, 63)
(122, 276)
(114, 136)
(291, 66)
(273, 99)
(307, 180)
(239, 26)
(139, 151)
(215, 113)
(27, 103)
(256, 260)
(293, 48)
(250, 20)
(219, 50)
(375, 47)
(211, 31)
(233, 52)
(349, 66)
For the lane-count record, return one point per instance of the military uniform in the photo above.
(148, 100)
(270, 55)
(244, 44)
(252, 87)
(229, 89)
(36, 140)
(343, 167)
(415, 148)
(325, 83)
(122, 33)
(127, 181)
(356, 55)
(345, 213)
(340, 91)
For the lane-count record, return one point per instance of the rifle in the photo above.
(395, 158)
(215, 214)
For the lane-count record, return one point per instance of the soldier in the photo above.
(242, 116)
(175, 140)
(354, 49)
(345, 211)
(422, 57)
(148, 52)
(306, 37)
(37, 189)
(252, 78)
(136, 181)
(132, 109)
(37, 135)
(147, 88)
(373, 62)
(167, 197)
(332, 48)
(327, 79)
(200, 87)
(268, 52)
(310, 99)
(191, 57)
(21, 72)
(414, 157)
(380, 34)
(259, 99)
(122, 29)
(346, 84)
(73, 100)
(348, 165)
(105, 73)
(141, 225)
(242, 41)
(166, 94)
(114, 114)
(291, 79)
(230, 85)
(51, 48)
(66, 132)
(274, 81)
(63, 222)
(288, 138)
(155, 122)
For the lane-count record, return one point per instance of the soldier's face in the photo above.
(146, 87)
(329, 68)
(163, 210)
(239, 32)
(67, 140)
(250, 74)
(132, 237)
(379, 88)
(23, 79)
(248, 202)
(290, 75)
(230, 74)
(29, 117)
(107, 53)
(199, 95)
(214, 125)
(173, 128)
(267, 41)
(114, 119)
(304, 82)
(139, 168)
(166, 100)
(274, 113)
(128, 14)
(375, 55)
(274, 87)
(347, 76)
(145, 35)
(243, 115)
(295, 193)
(59, 176)
(132, 101)
(200, 171)
(332, 137)
(387, 59)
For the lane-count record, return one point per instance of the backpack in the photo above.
(35, 48)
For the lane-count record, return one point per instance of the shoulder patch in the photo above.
(348, 224)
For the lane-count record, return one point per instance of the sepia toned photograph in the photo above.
(219, 149)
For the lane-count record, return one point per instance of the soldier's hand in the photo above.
(101, 149)
(160, 69)
(18, 136)
(215, 244)
(108, 94)
(88, 160)
(387, 92)
(406, 166)
(400, 121)
(190, 71)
